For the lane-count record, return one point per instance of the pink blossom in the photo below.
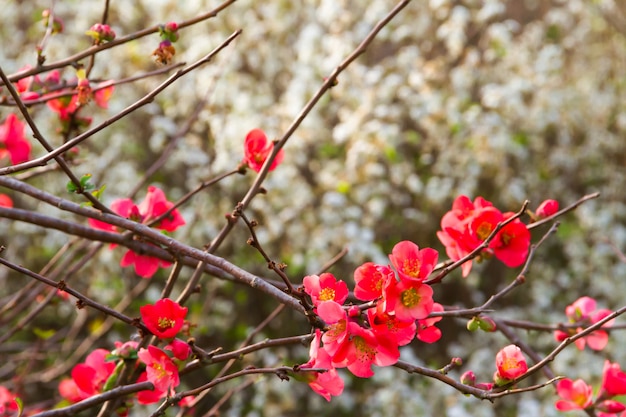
(547, 209)
(325, 288)
(387, 325)
(179, 349)
(426, 330)
(163, 318)
(510, 363)
(148, 396)
(411, 262)
(363, 349)
(160, 369)
(576, 395)
(408, 299)
(256, 150)
(5, 201)
(337, 319)
(88, 378)
(13, 143)
(153, 206)
(583, 311)
(370, 280)
(8, 405)
(327, 383)
(613, 379)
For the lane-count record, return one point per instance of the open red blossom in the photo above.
(512, 243)
(327, 383)
(370, 279)
(362, 349)
(256, 150)
(153, 206)
(8, 405)
(337, 319)
(5, 201)
(13, 143)
(148, 396)
(510, 364)
(387, 325)
(88, 378)
(325, 288)
(408, 299)
(583, 312)
(411, 262)
(163, 318)
(455, 234)
(575, 395)
(613, 379)
(102, 93)
(160, 370)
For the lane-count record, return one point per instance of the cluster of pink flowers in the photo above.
(583, 313)
(578, 395)
(152, 207)
(468, 224)
(98, 373)
(398, 309)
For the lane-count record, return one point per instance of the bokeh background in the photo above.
(510, 100)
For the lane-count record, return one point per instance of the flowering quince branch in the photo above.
(43, 160)
(149, 233)
(67, 89)
(37, 134)
(567, 209)
(484, 245)
(119, 41)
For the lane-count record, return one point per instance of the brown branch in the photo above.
(43, 160)
(71, 60)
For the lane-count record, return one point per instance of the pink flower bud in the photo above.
(547, 209)
(468, 378)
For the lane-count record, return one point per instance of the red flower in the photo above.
(153, 206)
(163, 318)
(468, 224)
(370, 280)
(387, 325)
(613, 379)
(337, 320)
(102, 93)
(179, 349)
(411, 262)
(148, 396)
(576, 395)
(8, 405)
(408, 299)
(327, 383)
(512, 243)
(88, 378)
(325, 288)
(426, 330)
(13, 143)
(256, 150)
(583, 311)
(362, 349)
(510, 364)
(160, 369)
(5, 201)
(547, 209)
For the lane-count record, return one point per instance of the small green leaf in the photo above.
(71, 187)
(44, 334)
(20, 406)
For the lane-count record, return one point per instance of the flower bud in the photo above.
(547, 209)
(468, 378)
